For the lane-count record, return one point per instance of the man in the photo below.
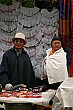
(16, 67)
(55, 64)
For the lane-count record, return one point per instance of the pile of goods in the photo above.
(22, 92)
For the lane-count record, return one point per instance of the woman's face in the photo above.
(56, 45)
(18, 43)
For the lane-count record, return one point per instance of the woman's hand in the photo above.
(44, 77)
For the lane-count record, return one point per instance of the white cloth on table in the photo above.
(48, 94)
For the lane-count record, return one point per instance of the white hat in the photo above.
(19, 35)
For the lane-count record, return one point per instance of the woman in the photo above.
(56, 64)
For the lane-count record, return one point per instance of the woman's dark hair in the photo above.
(56, 38)
(60, 39)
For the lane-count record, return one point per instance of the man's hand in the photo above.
(8, 86)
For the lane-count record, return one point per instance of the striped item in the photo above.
(71, 46)
(65, 26)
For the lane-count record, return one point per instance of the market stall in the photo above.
(17, 100)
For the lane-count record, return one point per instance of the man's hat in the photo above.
(19, 36)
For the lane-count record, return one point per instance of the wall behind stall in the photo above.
(39, 26)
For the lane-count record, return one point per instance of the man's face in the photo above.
(18, 43)
(56, 45)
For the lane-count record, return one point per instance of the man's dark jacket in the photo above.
(17, 69)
